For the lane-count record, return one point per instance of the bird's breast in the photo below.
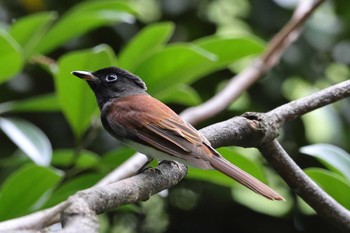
(113, 126)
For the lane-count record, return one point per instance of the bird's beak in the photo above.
(88, 76)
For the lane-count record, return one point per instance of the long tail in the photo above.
(244, 178)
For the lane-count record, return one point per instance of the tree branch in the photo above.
(306, 188)
(81, 214)
(35, 221)
(301, 106)
(81, 209)
(249, 131)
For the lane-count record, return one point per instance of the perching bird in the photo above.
(142, 122)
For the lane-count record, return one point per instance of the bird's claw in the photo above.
(171, 162)
(151, 170)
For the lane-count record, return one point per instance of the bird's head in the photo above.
(112, 82)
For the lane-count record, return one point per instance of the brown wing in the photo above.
(152, 123)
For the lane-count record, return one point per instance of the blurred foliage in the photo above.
(52, 144)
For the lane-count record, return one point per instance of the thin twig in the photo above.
(34, 221)
(301, 106)
(241, 82)
(289, 33)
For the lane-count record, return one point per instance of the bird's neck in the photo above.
(105, 97)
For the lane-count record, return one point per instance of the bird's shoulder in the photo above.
(136, 111)
(141, 107)
(143, 104)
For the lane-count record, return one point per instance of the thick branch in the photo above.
(86, 204)
(243, 131)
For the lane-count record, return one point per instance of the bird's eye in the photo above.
(111, 78)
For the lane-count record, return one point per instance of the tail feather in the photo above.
(244, 178)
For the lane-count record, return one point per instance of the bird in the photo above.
(147, 125)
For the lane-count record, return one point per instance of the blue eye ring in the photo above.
(111, 78)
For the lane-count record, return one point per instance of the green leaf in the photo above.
(42, 103)
(185, 63)
(116, 157)
(229, 50)
(334, 158)
(334, 184)
(144, 43)
(182, 94)
(173, 65)
(304, 208)
(11, 60)
(62, 158)
(77, 102)
(29, 138)
(86, 159)
(29, 30)
(83, 18)
(72, 186)
(24, 188)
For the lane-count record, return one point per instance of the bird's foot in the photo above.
(171, 162)
(152, 170)
(144, 166)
